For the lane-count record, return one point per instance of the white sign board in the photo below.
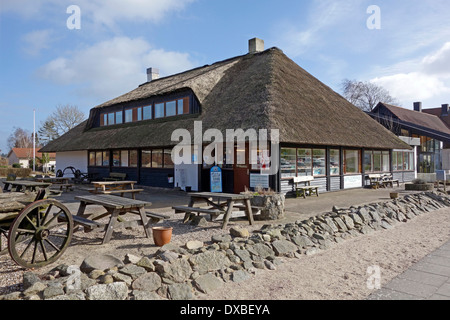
(352, 182)
(259, 180)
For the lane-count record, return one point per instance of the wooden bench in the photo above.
(388, 179)
(115, 176)
(122, 192)
(66, 186)
(156, 217)
(374, 180)
(190, 211)
(306, 188)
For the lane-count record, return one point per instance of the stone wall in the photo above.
(182, 272)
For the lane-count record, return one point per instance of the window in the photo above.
(92, 158)
(368, 161)
(335, 162)
(98, 158)
(105, 156)
(103, 119)
(288, 160)
(171, 108)
(129, 115)
(352, 161)
(124, 158)
(180, 108)
(116, 158)
(402, 161)
(119, 117)
(304, 162)
(159, 110)
(394, 161)
(146, 158)
(147, 112)
(377, 161)
(133, 162)
(168, 163)
(157, 158)
(319, 162)
(386, 162)
(111, 118)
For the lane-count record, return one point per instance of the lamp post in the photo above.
(34, 140)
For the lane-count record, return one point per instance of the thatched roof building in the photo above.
(260, 90)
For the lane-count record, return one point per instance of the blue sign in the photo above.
(216, 179)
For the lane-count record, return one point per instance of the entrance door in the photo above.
(241, 170)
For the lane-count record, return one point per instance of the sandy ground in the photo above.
(341, 272)
(337, 273)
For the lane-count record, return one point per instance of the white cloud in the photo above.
(113, 67)
(438, 63)
(412, 86)
(36, 41)
(420, 79)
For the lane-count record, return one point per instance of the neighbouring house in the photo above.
(321, 134)
(24, 156)
(426, 130)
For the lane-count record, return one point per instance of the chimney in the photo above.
(152, 74)
(444, 110)
(255, 45)
(418, 106)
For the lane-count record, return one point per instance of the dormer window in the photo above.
(155, 110)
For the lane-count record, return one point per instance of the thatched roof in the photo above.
(266, 90)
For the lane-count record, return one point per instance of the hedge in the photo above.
(19, 172)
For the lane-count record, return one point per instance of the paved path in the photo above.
(427, 279)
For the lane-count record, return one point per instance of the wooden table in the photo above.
(55, 180)
(25, 185)
(114, 206)
(219, 203)
(115, 187)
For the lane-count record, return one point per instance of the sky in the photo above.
(86, 52)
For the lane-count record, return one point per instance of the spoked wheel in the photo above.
(37, 237)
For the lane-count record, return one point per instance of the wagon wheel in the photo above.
(37, 237)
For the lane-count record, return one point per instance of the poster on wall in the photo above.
(216, 179)
(259, 180)
(352, 182)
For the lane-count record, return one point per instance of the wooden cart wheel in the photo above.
(37, 237)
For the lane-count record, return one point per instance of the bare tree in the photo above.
(20, 138)
(66, 117)
(366, 95)
(63, 119)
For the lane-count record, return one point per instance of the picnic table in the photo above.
(62, 182)
(219, 203)
(115, 187)
(115, 206)
(24, 185)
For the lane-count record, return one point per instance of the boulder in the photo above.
(208, 282)
(111, 291)
(100, 262)
(283, 247)
(150, 281)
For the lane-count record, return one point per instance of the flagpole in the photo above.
(34, 140)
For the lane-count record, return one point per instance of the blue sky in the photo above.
(43, 63)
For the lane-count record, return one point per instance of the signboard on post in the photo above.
(216, 179)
